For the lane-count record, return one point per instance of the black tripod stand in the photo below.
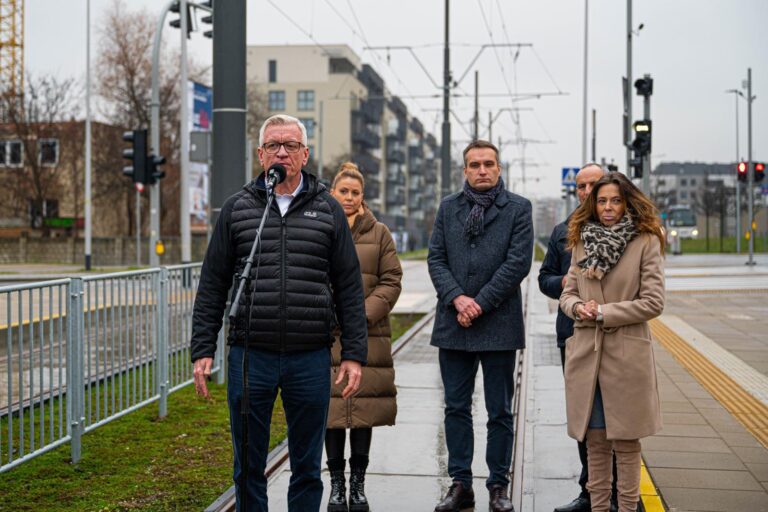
(275, 175)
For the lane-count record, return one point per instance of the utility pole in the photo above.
(490, 126)
(445, 158)
(186, 242)
(154, 131)
(229, 102)
(647, 157)
(320, 142)
(476, 131)
(750, 171)
(736, 94)
(88, 216)
(628, 89)
(584, 103)
(594, 136)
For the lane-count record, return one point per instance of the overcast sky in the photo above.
(694, 49)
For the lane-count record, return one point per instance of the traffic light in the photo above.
(137, 154)
(176, 8)
(636, 166)
(759, 171)
(612, 168)
(741, 171)
(644, 86)
(208, 20)
(154, 172)
(642, 143)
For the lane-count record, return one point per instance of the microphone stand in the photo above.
(245, 281)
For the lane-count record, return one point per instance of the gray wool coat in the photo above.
(489, 268)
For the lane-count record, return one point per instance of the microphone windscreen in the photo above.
(278, 171)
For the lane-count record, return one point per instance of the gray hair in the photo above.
(281, 119)
(590, 164)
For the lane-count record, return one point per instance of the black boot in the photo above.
(357, 500)
(337, 502)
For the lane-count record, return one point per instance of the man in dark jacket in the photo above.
(306, 276)
(479, 253)
(551, 281)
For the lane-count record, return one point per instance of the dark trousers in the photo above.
(304, 381)
(584, 477)
(458, 370)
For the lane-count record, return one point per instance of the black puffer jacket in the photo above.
(308, 275)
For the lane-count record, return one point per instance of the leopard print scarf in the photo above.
(604, 245)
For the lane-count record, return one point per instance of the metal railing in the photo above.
(81, 352)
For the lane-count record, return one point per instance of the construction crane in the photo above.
(12, 47)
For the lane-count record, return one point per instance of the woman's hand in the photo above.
(587, 310)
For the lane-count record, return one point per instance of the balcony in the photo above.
(371, 111)
(395, 155)
(397, 106)
(368, 165)
(371, 79)
(365, 137)
(415, 151)
(416, 126)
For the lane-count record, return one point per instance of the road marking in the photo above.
(745, 407)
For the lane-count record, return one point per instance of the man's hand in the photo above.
(354, 371)
(464, 320)
(562, 283)
(202, 373)
(467, 306)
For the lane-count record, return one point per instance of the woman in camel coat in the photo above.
(614, 286)
(374, 403)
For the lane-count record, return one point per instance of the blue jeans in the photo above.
(458, 370)
(304, 381)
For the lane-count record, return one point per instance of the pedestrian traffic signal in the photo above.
(642, 143)
(137, 154)
(176, 8)
(759, 171)
(636, 166)
(741, 171)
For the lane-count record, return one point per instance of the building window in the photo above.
(683, 194)
(693, 182)
(11, 154)
(683, 182)
(272, 71)
(693, 197)
(41, 210)
(276, 100)
(309, 124)
(48, 152)
(306, 100)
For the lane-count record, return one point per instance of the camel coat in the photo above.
(374, 403)
(618, 352)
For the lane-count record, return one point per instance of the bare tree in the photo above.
(39, 120)
(124, 71)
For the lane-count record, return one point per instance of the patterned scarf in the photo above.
(480, 202)
(604, 245)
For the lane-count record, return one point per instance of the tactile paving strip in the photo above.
(747, 409)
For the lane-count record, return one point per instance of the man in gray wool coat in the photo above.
(479, 253)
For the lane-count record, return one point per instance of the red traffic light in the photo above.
(742, 168)
(760, 167)
(759, 172)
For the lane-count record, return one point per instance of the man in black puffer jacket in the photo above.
(306, 278)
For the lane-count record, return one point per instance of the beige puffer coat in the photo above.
(374, 403)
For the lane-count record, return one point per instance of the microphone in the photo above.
(275, 175)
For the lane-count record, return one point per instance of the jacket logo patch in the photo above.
(310, 214)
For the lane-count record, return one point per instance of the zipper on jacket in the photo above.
(282, 284)
(349, 412)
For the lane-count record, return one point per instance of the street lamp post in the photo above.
(88, 219)
(736, 93)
